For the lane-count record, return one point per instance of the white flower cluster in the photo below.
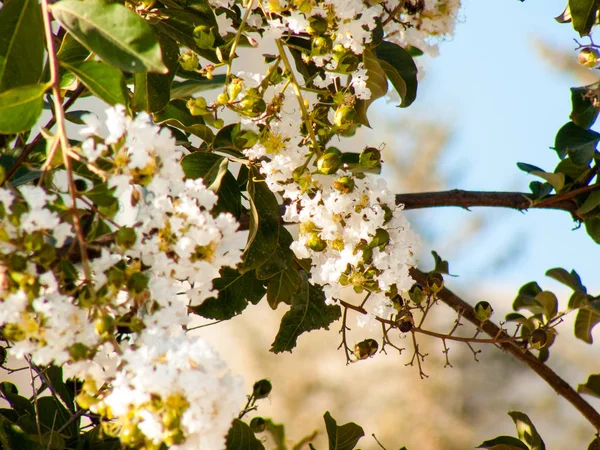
(168, 248)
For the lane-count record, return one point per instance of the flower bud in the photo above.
(344, 184)
(234, 89)
(218, 123)
(345, 116)
(188, 61)
(315, 243)
(258, 424)
(588, 57)
(126, 237)
(329, 162)
(317, 25)
(366, 349)
(538, 339)
(483, 311)
(197, 106)
(261, 389)
(79, 351)
(435, 282)
(222, 99)
(85, 401)
(321, 45)
(104, 324)
(416, 293)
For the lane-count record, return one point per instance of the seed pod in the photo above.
(188, 61)
(588, 57)
(126, 237)
(344, 184)
(405, 324)
(483, 311)
(317, 25)
(416, 293)
(365, 349)
(538, 339)
(258, 424)
(79, 351)
(435, 282)
(344, 116)
(204, 37)
(315, 243)
(104, 324)
(262, 389)
(329, 163)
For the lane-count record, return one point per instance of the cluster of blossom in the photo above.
(122, 330)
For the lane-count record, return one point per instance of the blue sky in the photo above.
(505, 104)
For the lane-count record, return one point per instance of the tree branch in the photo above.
(560, 386)
(471, 199)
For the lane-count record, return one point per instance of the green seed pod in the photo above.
(79, 351)
(345, 116)
(315, 243)
(317, 25)
(370, 158)
(588, 57)
(416, 293)
(204, 37)
(105, 324)
(258, 424)
(483, 311)
(538, 339)
(261, 389)
(435, 282)
(222, 99)
(197, 107)
(321, 45)
(126, 237)
(366, 349)
(329, 163)
(234, 89)
(344, 184)
(188, 61)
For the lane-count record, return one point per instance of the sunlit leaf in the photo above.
(342, 437)
(591, 386)
(103, 80)
(526, 431)
(587, 318)
(21, 107)
(400, 69)
(583, 14)
(241, 437)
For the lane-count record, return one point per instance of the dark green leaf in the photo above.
(540, 190)
(583, 113)
(574, 138)
(376, 83)
(235, 291)
(20, 108)
(208, 166)
(400, 69)
(152, 90)
(583, 15)
(241, 437)
(177, 115)
(592, 227)
(188, 88)
(569, 279)
(308, 312)
(230, 196)
(344, 437)
(21, 44)
(577, 300)
(114, 32)
(55, 375)
(572, 170)
(526, 298)
(52, 415)
(277, 431)
(504, 443)
(549, 303)
(280, 258)
(591, 386)
(103, 80)
(283, 286)
(590, 203)
(526, 431)
(71, 51)
(528, 167)
(587, 318)
(12, 437)
(20, 404)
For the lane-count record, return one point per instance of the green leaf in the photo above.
(504, 443)
(376, 83)
(574, 138)
(103, 80)
(277, 431)
(528, 167)
(235, 291)
(153, 91)
(55, 375)
(583, 113)
(283, 286)
(592, 227)
(572, 170)
(344, 437)
(526, 298)
(540, 190)
(20, 404)
(177, 115)
(591, 386)
(188, 88)
(549, 303)
(591, 202)
(114, 32)
(308, 312)
(230, 196)
(587, 318)
(577, 300)
(280, 258)
(71, 51)
(569, 279)
(13, 437)
(526, 431)
(208, 166)
(179, 25)
(52, 414)
(21, 44)
(583, 15)
(241, 437)
(400, 69)
(557, 180)
(20, 108)
(441, 266)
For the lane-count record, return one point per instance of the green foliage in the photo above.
(528, 437)
(342, 437)
(103, 80)
(591, 386)
(241, 437)
(583, 15)
(21, 107)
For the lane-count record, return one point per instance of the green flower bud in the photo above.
(258, 424)
(588, 57)
(483, 311)
(105, 324)
(79, 351)
(204, 37)
(137, 283)
(315, 243)
(435, 282)
(370, 158)
(126, 237)
(222, 99)
(538, 339)
(234, 89)
(366, 349)
(188, 61)
(321, 45)
(317, 25)
(345, 116)
(197, 107)
(344, 184)
(218, 123)
(261, 389)
(329, 163)
(416, 293)
(85, 401)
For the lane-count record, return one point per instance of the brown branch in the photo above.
(560, 386)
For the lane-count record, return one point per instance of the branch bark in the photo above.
(560, 386)
(472, 199)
